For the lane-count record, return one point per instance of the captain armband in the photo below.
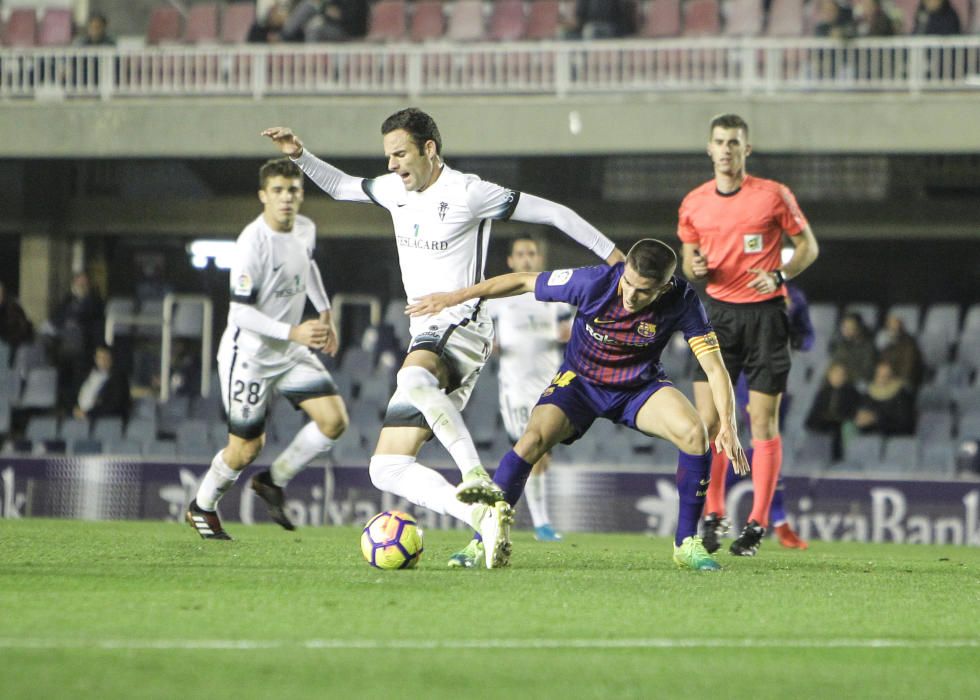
(704, 344)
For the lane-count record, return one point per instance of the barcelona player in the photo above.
(625, 316)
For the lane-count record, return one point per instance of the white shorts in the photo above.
(246, 384)
(515, 409)
(463, 345)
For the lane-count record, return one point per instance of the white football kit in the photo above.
(527, 333)
(271, 277)
(442, 235)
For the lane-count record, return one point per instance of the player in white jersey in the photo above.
(266, 346)
(529, 336)
(442, 223)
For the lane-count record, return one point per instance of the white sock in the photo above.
(308, 443)
(444, 419)
(218, 479)
(536, 493)
(418, 484)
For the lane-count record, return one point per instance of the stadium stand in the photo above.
(55, 28)
(236, 20)
(428, 20)
(387, 21)
(701, 18)
(466, 21)
(785, 19)
(164, 26)
(507, 21)
(543, 20)
(661, 19)
(202, 23)
(20, 31)
(743, 18)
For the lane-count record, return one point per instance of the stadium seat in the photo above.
(785, 18)
(387, 21)
(190, 433)
(543, 20)
(933, 397)
(910, 314)
(938, 458)
(863, 453)
(813, 451)
(202, 23)
(935, 425)
(968, 425)
(743, 18)
(122, 447)
(701, 18)
(164, 25)
(399, 322)
(141, 429)
(466, 21)
(907, 9)
(84, 446)
(901, 454)
(236, 21)
(107, 429)
(74, 429)
(661, 19)
(823, 316)
(42, 428)
(428, 20)
(968, 351)
(56, 27)
(5, 414)
(971, 321)
(159, 449)
(21, 28)
(964, 11)
(507, 20)
(30, 356)
(188, 319)
(40, 388)
(943, 320)
(966, 399)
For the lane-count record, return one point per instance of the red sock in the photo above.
(766, 462)
(715, 502)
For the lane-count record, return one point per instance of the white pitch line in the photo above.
(558, 644)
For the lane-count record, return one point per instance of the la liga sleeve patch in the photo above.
(559, 277)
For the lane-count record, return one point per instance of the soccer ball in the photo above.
(392, 540)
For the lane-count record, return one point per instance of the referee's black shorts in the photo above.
(754, 339)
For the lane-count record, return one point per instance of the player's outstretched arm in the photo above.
(494, 288)
(331, 180)
(724, 397)
(285, 140)
(537, 210)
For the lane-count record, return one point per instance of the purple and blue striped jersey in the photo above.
(612, 346)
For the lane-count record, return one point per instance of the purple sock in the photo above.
(777, 511)
(693, 474)
(511, 476)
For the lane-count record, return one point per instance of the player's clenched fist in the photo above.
(285, 139)
(313, 334)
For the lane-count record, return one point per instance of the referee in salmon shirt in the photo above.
(732, 230)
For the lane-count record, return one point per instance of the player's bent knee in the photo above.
(385, 470)
(693, 439)
(414, 377)
(334, 426)
(240, 453)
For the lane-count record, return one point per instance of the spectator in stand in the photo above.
(15, 328)
(105, 391)
(937, 17)
(270, 29)
(888, 405)
(854, 348)
(327, 20)
(835, 404)
(79, 325)
(874, 20)
(95, 33)
(834, 20)
(600, 19)
(903, 353)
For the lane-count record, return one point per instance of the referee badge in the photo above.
(752, 243)
(647, 330)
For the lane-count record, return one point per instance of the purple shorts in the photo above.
(582, 401)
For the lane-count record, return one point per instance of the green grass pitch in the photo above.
(148, 610)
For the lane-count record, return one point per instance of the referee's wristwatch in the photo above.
(778, 277)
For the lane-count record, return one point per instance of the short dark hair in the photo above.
(419, 125)
(652, 259)
(515, 239)
(278, 167)
(728, 121)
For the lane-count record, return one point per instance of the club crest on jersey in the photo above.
(443, 208)
(646, 329)
(752, 243)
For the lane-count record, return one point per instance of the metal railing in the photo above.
(747, 66)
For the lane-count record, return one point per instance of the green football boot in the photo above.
(692, 555)
(478, 487)
(469, 556)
